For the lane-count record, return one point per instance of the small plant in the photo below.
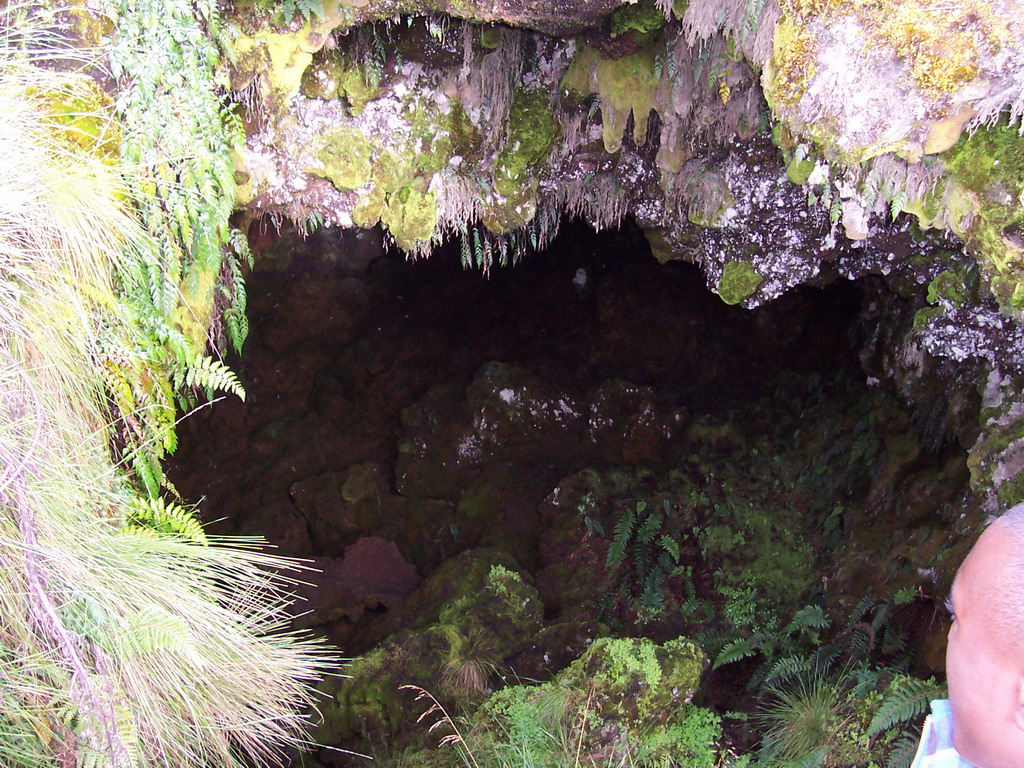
(803, 721)
(650, 541)
(469, 666)
(288, 10)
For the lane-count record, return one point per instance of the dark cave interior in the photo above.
(401, 413)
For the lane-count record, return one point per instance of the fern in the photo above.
(210, 374)
(737, 650)
(152, 631)
(903, 752)
(183, 185)
(165, 517)
(670, 545)
(623, 532)
(808, 617)
(788, 668)
(835, 210)
(287, 10)
(648, 530)
(465, 257)
(898, 203)
(863, 606)
(904, 701)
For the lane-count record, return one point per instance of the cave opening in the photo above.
(647, 460)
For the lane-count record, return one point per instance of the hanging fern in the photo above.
(898, 203)
(835, 210)
(287, 10)
(179, 136)
(211, 375)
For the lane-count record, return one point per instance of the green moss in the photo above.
(474, 610)
(690, 742)
(637, 680)
(1011, 492)
(984, 207)
(195, 306)
(942, 49)
(739, 281)
(368, 210)
(83, 114)
(491, 35)
(88, 25)
(465, 137)
(437, 134)
(281, 56)
(531, 131)
(355, 88)
(321, 78)
(799, 170)
(928, 209)
(924, 316)
(643, 18)
(345, 154)
(410, 216)
(393, 170)
(793, 63)
(498, 579)
(947, 285)
(514, 210)
(626, 85)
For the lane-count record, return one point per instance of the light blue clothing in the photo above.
(936, 749)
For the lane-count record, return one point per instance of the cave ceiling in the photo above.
(772, 145)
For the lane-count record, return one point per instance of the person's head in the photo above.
(985, 654)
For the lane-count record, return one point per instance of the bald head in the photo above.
(984, 663)
(1008, 590)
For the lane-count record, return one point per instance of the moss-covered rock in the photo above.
(996, 460)
(195, 306)
(320, 80)
(82, 113)
(344, 154)
(393, 170)
(642, 18)
(988, 169)
(410, 216)
(531, 130)
(369, 208)
(625, 86)
(471, 613)
(623, 699)
(738, 282)
(638, 680)
(793, 62)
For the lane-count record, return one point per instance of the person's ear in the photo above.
(1018, 709)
